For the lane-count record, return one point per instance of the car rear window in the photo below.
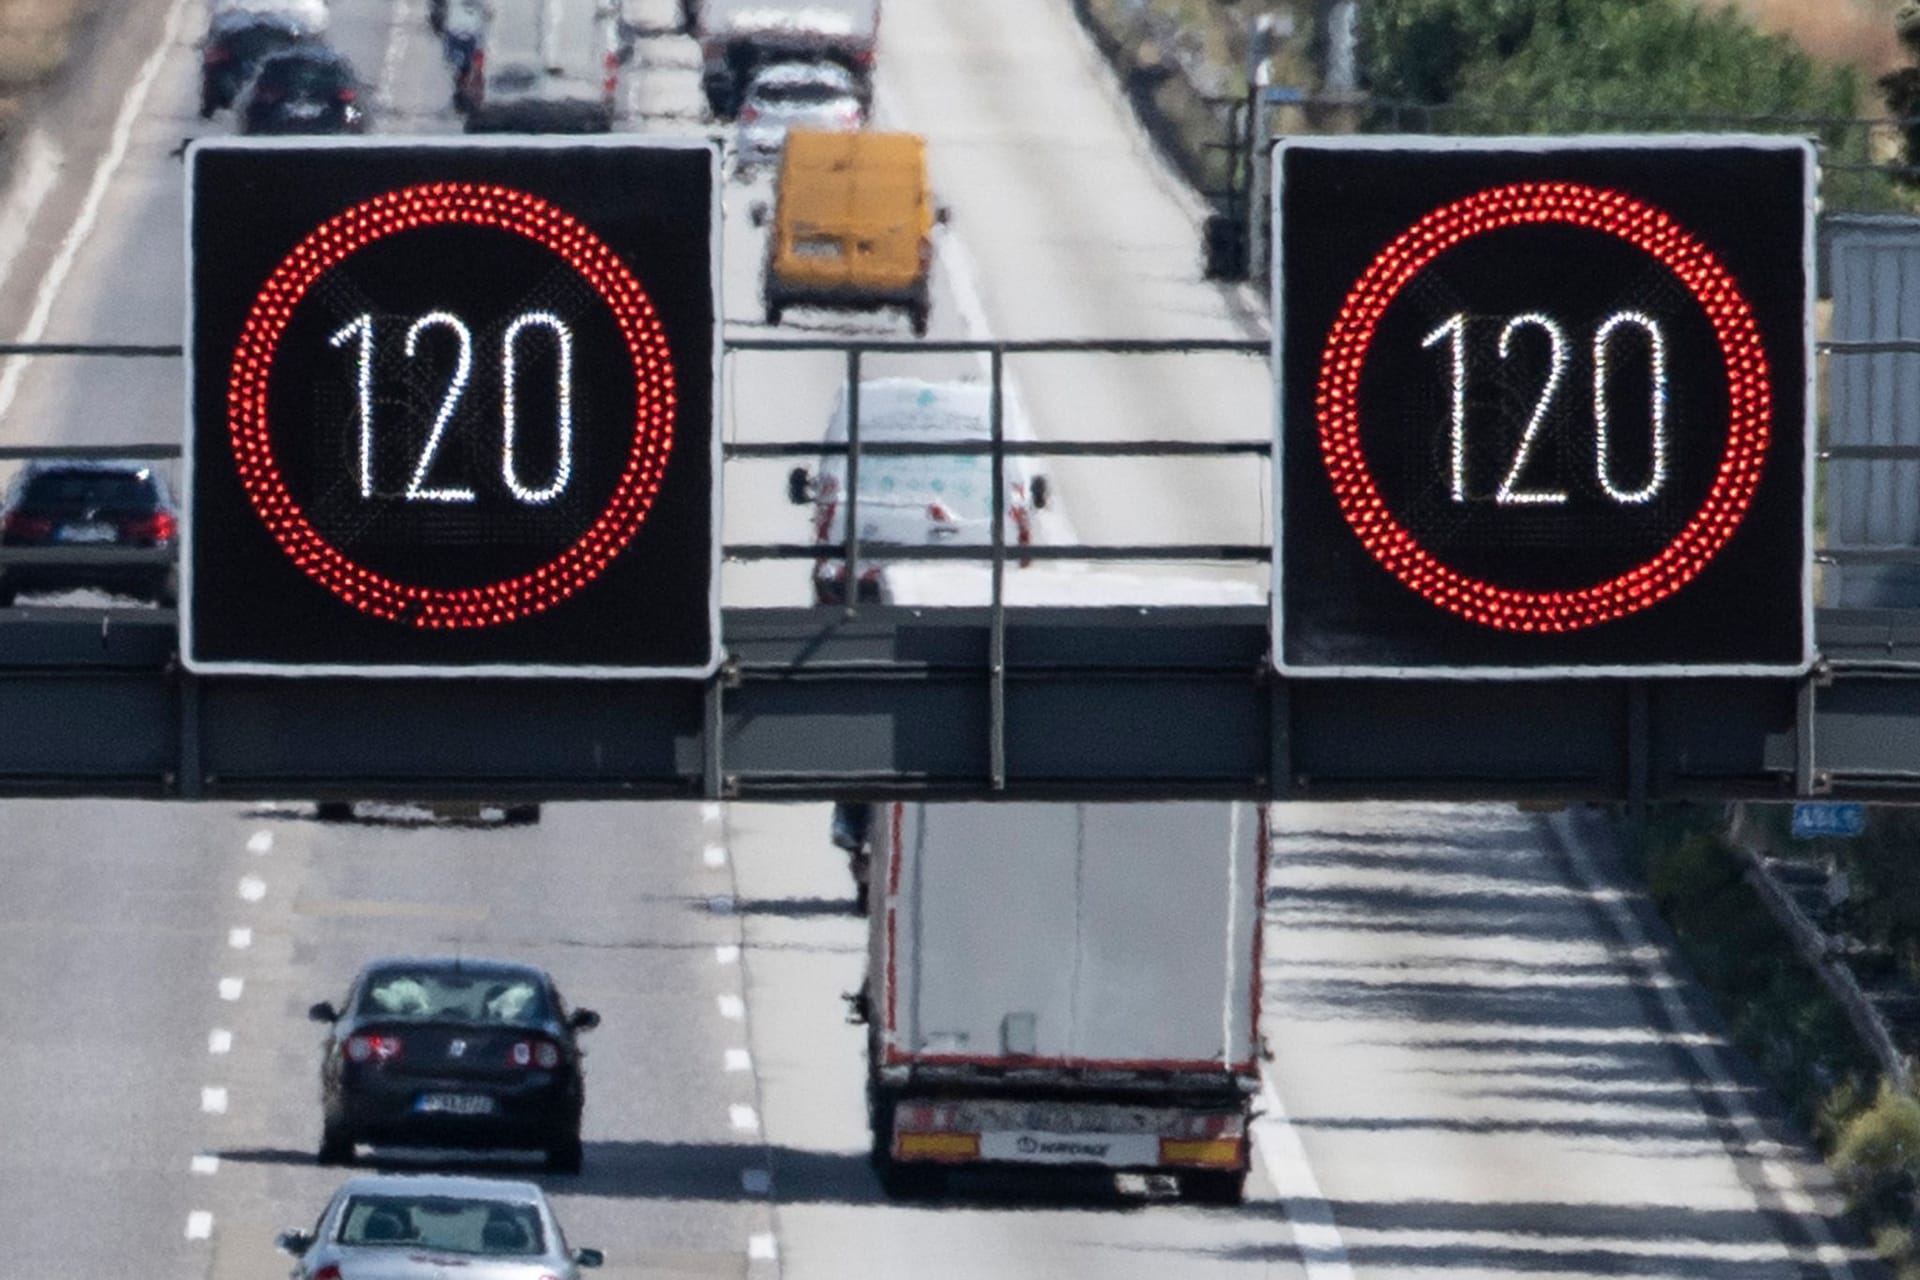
(305, 76)
(444, 1224)
(90, 488)
(804, 93)
(471, 996)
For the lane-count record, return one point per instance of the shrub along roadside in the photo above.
(1780, 1016)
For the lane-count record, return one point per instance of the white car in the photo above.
(403, 1227)
(795, 95)
(917, 499)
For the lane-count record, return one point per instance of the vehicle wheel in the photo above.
(1214, 1186)
(900, 1180)
(566, 1156)
(7, 596)
(521, 815)
(334, 811)
(774, 312)
(169, 594)
(336, 1145)
(918, 314)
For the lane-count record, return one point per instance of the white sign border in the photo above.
(1545, 144)
(716, 655)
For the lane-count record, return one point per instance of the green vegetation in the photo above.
(1782, 1017)
(1575, 66)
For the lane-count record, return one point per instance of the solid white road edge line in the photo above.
(39, 167)
(1323, 1254)
(1793, 1197)
(199, 1225)
(131, 108)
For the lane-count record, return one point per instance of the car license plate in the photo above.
(816, 249)
(455, 1104)
(306, 110)
(88, 532)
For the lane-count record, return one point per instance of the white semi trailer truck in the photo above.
(1065, 985)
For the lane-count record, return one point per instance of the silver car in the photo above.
(416, 1227)
(795, 95)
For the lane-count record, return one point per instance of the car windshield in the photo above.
(444, 1224)
(89, 488)
(459, 996)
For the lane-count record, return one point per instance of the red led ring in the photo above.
(470, 204)
(1750, 408)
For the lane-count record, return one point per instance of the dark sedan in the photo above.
(306, 89)
(237, 41)
(85, 503)
(452, 1053)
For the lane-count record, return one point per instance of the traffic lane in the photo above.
(112, 981)
(1080, 230)
(802, 948)
(610, 898)
(1481, 1072)
(119, 274)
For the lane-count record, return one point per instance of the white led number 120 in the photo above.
(1454, 333)
(361, 327)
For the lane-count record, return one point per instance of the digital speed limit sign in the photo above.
(451, 408)
(1543, 406)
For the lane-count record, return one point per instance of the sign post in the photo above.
(451, 409)
(1543, 406)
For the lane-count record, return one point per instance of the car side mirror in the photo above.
(799, 487)
(1041, 492)
(323, 1012)
(589, 1258)
(295, 1242)
(759, 213)
(583, 1020)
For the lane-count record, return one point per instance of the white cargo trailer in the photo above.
(1065, 985)
(737, 36)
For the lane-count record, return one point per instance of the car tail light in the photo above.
(329, 1272)
(535, 1053)
(20, 525)
(748, 114)
(348, 94)
(214, 54)
(373, 1048)
(938, 513)
(157, 527)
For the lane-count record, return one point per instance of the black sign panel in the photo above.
(1543, 406)
(452, 408)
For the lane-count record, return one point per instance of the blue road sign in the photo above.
(1827, 818)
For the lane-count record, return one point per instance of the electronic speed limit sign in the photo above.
(1543, 406)
(451, 408)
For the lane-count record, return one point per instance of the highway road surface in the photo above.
(1482, 1063)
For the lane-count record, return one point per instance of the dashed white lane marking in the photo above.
(727, 953)
(715, 855)
(132, 109)
(199, 1225)
(213, 1100)
(231, 988)
(743, 1117)
(252, 888)
(396, 53)
(762, 1245)
(1323, 1255)
(219, 1041)
(756, 1182)
(206, 1166)
(38, 165)
(739, 1060)
(732, 1007)
(720, 904)
(1779, 1177)
(260, 842)
(710, 813)
(240, 939)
